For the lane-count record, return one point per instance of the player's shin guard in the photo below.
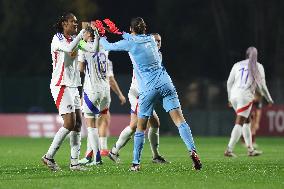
(89, 151)
(139, 140)
(75, 143)
(93, 136)
(124, 137)
(57, 140)
(247, 136)
(185, 134)
(235, 137)
(153, 136)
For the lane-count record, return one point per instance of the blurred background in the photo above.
(201, 40)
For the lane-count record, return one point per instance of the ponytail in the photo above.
(138, 25)
(252, 67)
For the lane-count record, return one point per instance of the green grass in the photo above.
(20, 166)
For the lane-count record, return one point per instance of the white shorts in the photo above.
(242, 106)
(133, 99)
(66, 99)
(95, 104)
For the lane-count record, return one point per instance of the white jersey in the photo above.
(65, 69)
(239, 83)
(97, 69)
(134, 86)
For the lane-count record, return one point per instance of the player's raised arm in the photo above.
(90, 34)
(66, 47)
(122, 45)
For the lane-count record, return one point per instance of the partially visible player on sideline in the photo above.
(256, 116)
(153, 122)
(64, 88)
(244, 78)
(154, 84)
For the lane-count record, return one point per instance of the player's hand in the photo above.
(73, 54)
(93, 26)
(270, 104)
(229, 104)
(85, 25)
(122, 100)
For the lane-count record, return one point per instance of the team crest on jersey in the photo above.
(69, 107)
(60, 36)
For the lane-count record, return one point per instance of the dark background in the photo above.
(201, 40)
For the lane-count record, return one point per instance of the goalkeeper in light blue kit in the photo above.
(154, 84)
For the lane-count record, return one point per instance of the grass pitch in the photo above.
(20, 166)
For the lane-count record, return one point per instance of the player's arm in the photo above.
(122, 45)
(70, 47)
(230, 82)
(115, 88)
(81, 67)
(263, 88)
(90, 47)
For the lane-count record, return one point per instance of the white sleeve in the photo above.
(263, 88)
(81, 56)
(110, 69)
(66, 47)
(230, 81)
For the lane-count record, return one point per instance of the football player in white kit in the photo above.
(104, 121)
(245, 77)
(153, 122)
(64, 88)
(96, 92)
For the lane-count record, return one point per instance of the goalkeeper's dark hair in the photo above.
(138, 25)
(156, 34)
(63, 18)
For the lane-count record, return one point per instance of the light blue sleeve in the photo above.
(122, 45)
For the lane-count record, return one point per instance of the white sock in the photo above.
(235, 136)
(247, 136)
(93, 136)
(89, 148)
(75, 143)
(124, 137)
(57, 141)
(103, 143)
(153, 136)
